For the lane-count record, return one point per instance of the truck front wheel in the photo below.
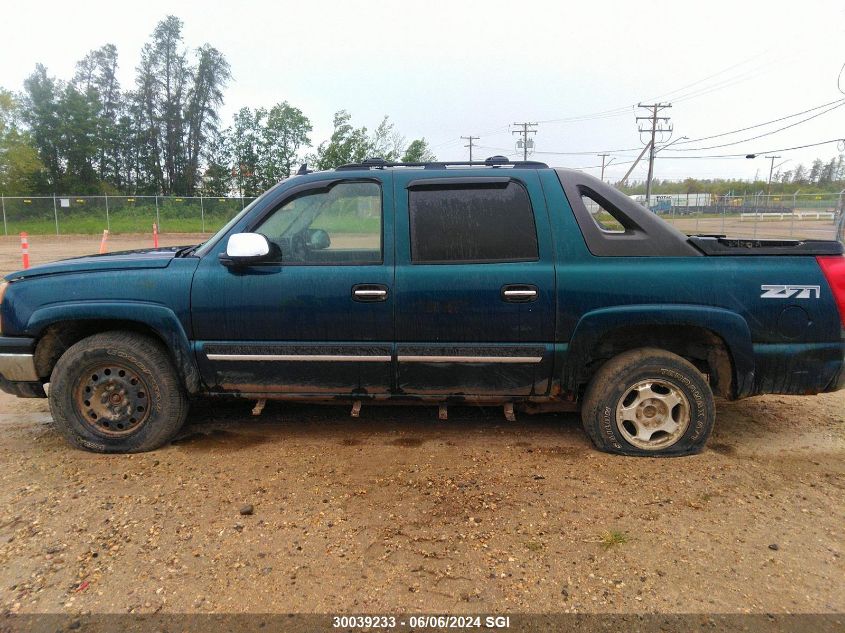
(648, 402)
(117, 392)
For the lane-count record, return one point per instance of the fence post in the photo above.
(202, 214)
(724, 212)
(158, 220)
(5, 228)
(108, 223)
(792, 218)
(56, 214)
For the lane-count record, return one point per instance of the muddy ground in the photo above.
(399, 512)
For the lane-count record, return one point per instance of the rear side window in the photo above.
(471, 224)
(604, 218)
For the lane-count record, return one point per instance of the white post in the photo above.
(794, 209)
(56, 214)
(5, 228)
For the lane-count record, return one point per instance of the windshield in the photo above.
(209, 244)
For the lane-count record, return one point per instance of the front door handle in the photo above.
(519, 293)
(369, 292)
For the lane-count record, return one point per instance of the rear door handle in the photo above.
(369, 292)
(519, 293)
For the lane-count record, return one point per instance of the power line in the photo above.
(768, 151)
(753, 138)
(751, 127)
(704, 138)
(470, 139)
(524, 132)
(621, 111)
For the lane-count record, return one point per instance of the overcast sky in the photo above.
(446, 69)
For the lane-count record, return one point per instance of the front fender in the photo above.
(161, 319)
(729, 326)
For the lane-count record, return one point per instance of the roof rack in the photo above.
(493, 161)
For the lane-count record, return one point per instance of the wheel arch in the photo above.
(716, 340)
(57, 327)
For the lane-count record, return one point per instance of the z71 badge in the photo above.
(777, 291)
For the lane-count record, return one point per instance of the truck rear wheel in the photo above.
(648, 402)
(117, 392)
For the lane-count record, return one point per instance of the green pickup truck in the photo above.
(494, 283)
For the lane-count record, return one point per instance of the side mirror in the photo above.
(244, 249)
(318, 239)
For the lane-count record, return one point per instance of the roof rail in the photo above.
(493, 161)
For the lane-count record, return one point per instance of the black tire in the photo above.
(117, 392)
(655, 372)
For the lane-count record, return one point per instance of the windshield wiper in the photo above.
(188, 250)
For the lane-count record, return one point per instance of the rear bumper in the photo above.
(799, 368)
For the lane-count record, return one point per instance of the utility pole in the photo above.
(656, 127)
(525, 131)
(603, 156)
(470, 139)
(771, 169)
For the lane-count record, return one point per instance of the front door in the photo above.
(474, 284)
(318, 319)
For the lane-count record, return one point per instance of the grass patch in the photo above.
(612, 538)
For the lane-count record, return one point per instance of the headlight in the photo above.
(3, 285)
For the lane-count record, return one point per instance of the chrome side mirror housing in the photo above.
(246, 248)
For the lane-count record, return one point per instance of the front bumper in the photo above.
(17, 359)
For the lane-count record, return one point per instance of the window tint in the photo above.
(339, 226)
(603, 218)
(472, 224)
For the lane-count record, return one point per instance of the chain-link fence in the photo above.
(799, 216)
(807, 216)
(64, 215)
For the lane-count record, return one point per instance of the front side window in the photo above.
(338, 226)
(472, 224)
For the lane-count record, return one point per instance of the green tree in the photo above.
(418, 151)
(217, 178)
(284, 133)
(40, 113)
(78, 142)
(20, 167)
(346, 145)
(204, 98)
(162, 80)
(96, 77)
(386, 142)
(816, 171)
(245, 144)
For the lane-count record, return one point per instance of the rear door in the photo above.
(474, 289)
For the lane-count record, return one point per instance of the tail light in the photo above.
(833, 268)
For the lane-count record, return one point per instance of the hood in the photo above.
(143, 258)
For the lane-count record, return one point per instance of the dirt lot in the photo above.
(397, 511)
(782, 229)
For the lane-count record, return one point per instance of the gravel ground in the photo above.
(305, 509)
